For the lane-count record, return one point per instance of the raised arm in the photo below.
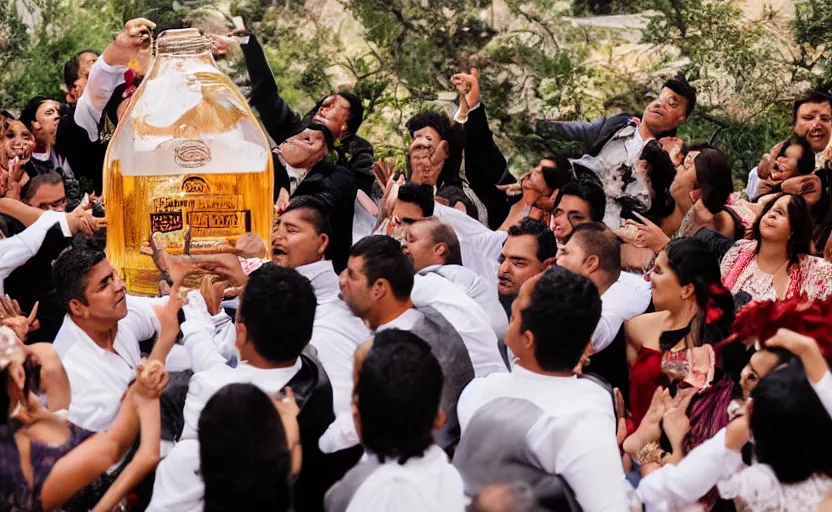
(90, 459)
(585, 132)
(278, 118)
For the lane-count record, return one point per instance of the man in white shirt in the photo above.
(433, 247)
(98, 342)
(594, 252)
(529, 249)
(18, 249)
(300, 241)
(573, 436)
(376, 285)
(397, 397)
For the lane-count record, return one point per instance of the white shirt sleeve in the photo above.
(141, 319)
(624, 300)
(101, 83)
(199, 334)
(17, 250)
(479, 245)
(823, 389)
(673, 487)
(339, 435)
(588, 459)
(178, 486)
(462, 120)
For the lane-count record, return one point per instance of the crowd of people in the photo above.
(613, 331)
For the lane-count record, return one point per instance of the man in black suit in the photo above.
(341, 113)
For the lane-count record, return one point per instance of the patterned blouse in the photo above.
(811, 276)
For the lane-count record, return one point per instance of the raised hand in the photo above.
(468, 86)
(134, 39)
(248, 245)
(649, 235)
(227, 266)
(673, 146)
(383, 171)
(212, 290)
(11, 315)
(151, 379)
(282, 201)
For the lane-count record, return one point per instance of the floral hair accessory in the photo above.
(712, 310)
(130, 81)
(760, 320)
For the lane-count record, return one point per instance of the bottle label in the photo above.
(209, 220)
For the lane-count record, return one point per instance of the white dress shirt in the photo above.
(98, 378)
(823, 389)
(342, 432)
(18, 249)
(752, 184)
(627, 298)
(465, 315)
(101, 83)
(675, 486)
(336, 334)
(623, 149)
(482, 292)
(479, 245)
(575, 438)
(209, 380)
(178, 486)
(422, 484)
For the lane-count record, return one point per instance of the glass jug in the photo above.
(187, 165)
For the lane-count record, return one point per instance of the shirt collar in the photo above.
(430, 268)
(265, 376)
(405, 321)
(323, 278)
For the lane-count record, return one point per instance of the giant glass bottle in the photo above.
(188, 164)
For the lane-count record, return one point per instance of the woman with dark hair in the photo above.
(776, 263)
(46, 462)
(247, 452)
(790, 431)
(796, 158)
(692, 310)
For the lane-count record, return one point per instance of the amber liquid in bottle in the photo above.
(188, 164)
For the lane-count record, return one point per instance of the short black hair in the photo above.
(384, 259)
(70, 269)
(73, 66)
(596, 239)
(244, 459)
(430, 118)
(455, 195)
(790, 426)
(443, 233)
(398, 392)
(31, 187)
(8, 115)
(561, 174)
(801, 224)
(588, 190)
(356, 110)
(329, 138)
(680, 85)
(562, 314)
(278, 309)
(27, 114)
(547, 247)
(313, 211)
(420, 194)
(713, 177)
(811, 96)
(806, 164)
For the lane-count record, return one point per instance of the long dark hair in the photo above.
(790, 426)
(694, 264)
(713, 178)
(801, 225)
(245, 462)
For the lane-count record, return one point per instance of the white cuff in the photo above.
(64, 225)
(823, 388)
(106, 68)
(462, 120)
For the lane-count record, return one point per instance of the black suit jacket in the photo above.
(334, 188)
(281, 122)
(319, 471)
(486, 167)
(32, 282)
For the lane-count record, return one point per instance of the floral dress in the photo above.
(810, 277)
(756, 489)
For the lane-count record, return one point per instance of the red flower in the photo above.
(130, 81)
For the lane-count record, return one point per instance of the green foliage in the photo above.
(813, 30)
